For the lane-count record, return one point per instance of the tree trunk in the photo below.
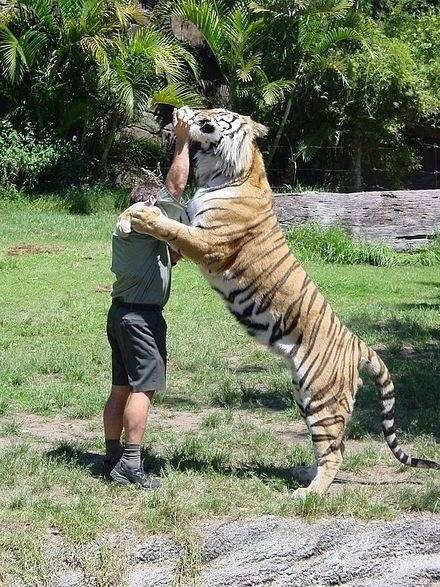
(406, 220)
(356, 163)
(109, 141)
(276, 142)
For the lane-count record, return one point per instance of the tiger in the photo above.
(232, 233)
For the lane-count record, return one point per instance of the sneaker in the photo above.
(124, 476)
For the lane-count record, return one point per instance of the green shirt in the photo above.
(142, 264)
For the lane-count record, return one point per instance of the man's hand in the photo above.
(182, 120)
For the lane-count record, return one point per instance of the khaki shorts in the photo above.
(138, 342)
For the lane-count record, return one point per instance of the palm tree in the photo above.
(308, 35)
(237, 41)
(268, 51)
(89, 67)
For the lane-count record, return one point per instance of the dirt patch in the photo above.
(31, 249)
(46, 431)
(43, 430)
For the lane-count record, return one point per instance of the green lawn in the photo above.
(54, 363)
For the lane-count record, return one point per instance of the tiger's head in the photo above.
(226, 145)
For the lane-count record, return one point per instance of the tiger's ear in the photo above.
(259, 130)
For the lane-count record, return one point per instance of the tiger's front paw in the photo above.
(145, 220)
(123, 224)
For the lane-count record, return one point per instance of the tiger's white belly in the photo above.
(286, 346)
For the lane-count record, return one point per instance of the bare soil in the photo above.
(31, 249)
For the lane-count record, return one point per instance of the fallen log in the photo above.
(404, 219)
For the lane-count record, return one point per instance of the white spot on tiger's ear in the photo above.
(259, 129)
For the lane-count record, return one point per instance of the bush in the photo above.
(24, 159)
(132, 151)
(332, 244)
(88, 199)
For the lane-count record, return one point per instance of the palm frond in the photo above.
(97, 47)
(71, 9)
(128, 13)
(324, 63)
(273, 92)
(32, 42)
(177, 95)
(336, 9)
(12, 57)
(35, 12)
(168, 56)
(258, 9)
(335, 36)
(244, 72)
(207, 17)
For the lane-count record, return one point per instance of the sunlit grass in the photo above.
(54, 360)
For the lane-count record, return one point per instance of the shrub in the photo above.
(132, 151)
(24, 159)
(332, 244)
(88, 199)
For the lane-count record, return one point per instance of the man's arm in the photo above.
(177, 177)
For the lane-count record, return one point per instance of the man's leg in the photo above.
(134, 422)
(114, 411)
(129, 468)
(113, 422)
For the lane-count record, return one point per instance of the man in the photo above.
(136, 329)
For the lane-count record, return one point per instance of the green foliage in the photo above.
(86, 69)
(365, 75)
(130, 152)
(341, 84)
(88, 199)
(24, 159)
(314, 242)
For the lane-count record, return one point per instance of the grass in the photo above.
(54, 361)
(314, 242)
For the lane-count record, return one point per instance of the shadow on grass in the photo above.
(176, 402)
(271, 399)
(68, 454)
(411, 352)
(412, 355)
(292, 477)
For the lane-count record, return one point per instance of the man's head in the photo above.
(146, 190)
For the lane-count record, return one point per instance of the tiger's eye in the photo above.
(207, 128)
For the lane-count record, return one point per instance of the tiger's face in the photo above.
(226, 142)
(212, 127)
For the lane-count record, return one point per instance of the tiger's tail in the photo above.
(382, 378)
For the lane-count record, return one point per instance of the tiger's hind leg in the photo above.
(327, 432)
